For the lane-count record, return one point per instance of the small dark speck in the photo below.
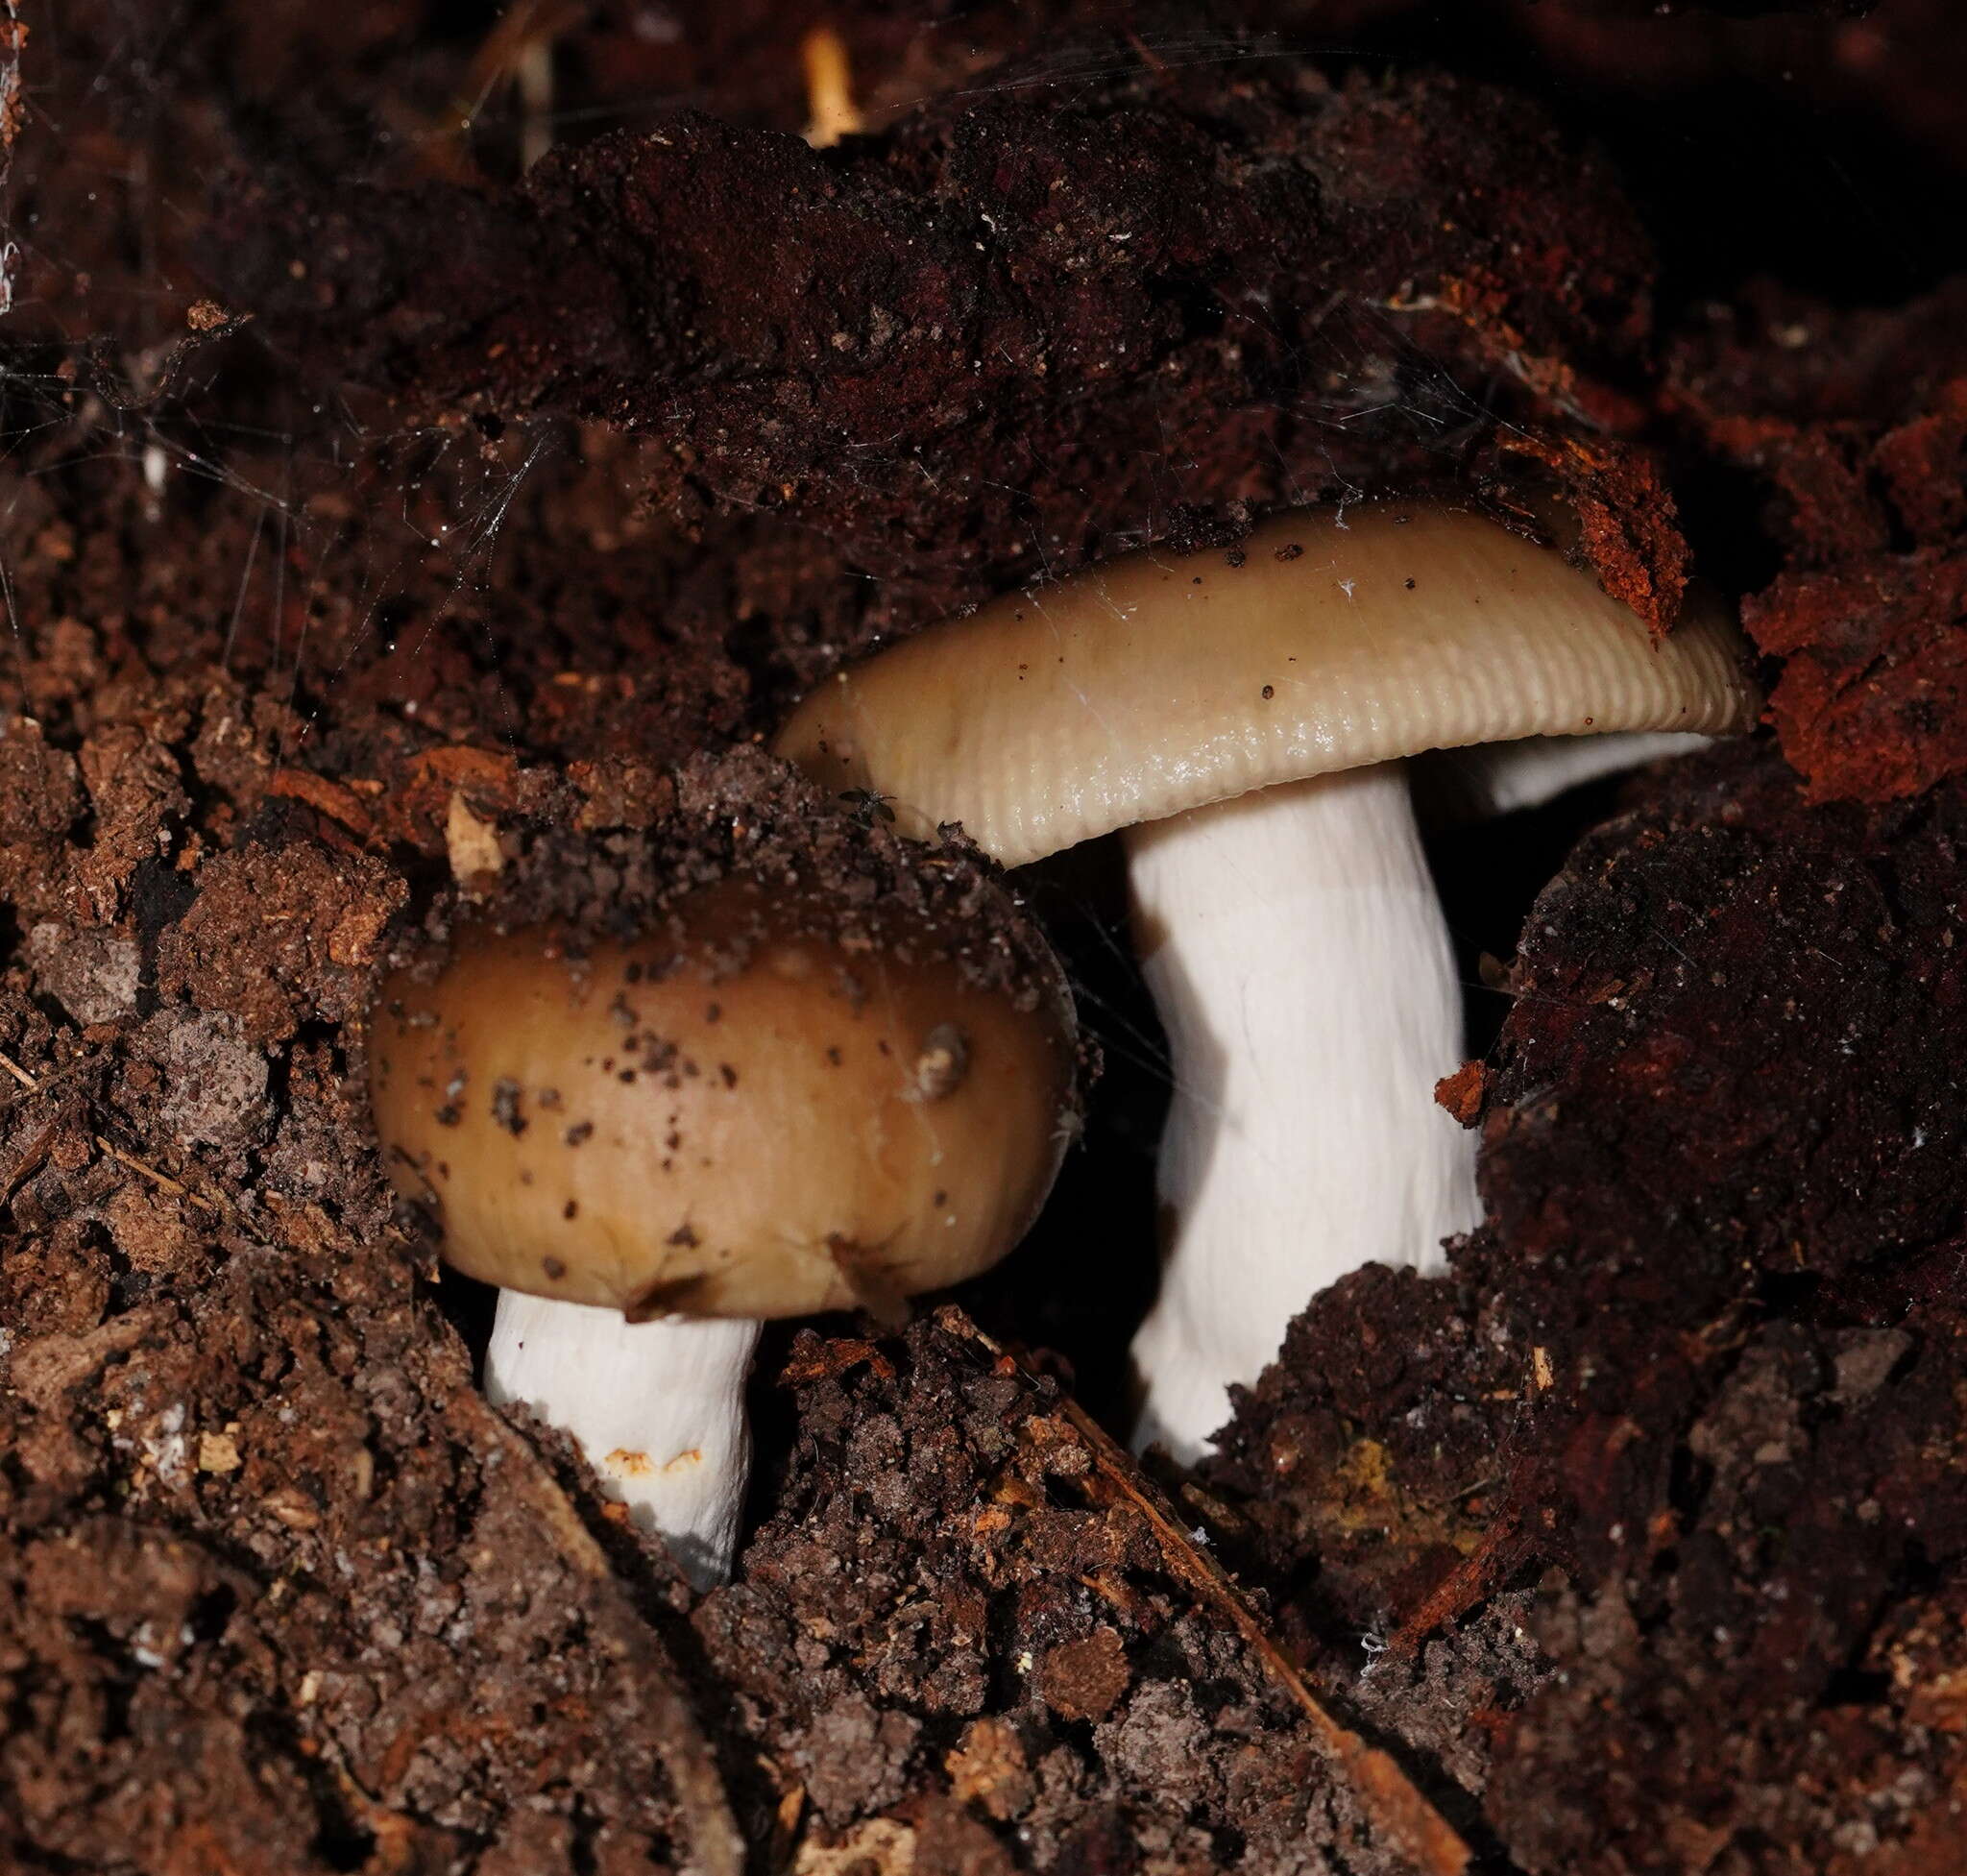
(553, 1266)
(1290, 552)
(571, 1209)
(505, 1094)
(711, 1015)
(1410, 586)
(549, 1099)
(1236, 556)
(580, 1131)
(626, 1075)
(683, 1235)
(834, 1056)
(1197, 581)
(443, 1169)
(729, 1074)
(448, 1115)
(941, 1199)
(525, 1176)
(632, 975)
(1270, 691)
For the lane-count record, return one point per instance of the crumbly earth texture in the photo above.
(383, 536)
(1696, 1381)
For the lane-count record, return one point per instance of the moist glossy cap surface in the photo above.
(740, 1116)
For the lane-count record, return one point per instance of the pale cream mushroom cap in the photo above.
(756, 1119)
(1158, 683)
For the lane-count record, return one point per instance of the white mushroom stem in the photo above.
(1295, 946)
(658, 1407)
(1292, 936)
(1499, 778)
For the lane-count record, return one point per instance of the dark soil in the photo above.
(1695, 1381)
(367, 510)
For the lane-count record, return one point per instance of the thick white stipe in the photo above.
(1296, 950)
(657, 1407)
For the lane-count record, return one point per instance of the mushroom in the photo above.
(1500, 778)
(1241, 719)
(762, 1106)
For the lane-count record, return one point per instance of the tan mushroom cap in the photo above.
(752, 1121)
(1159, 683)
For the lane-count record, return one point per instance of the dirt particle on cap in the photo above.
(553, 1267)
(579, 1132)
(505, 1106)
(940, 1064)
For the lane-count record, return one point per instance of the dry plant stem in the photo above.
(1296, 950)
(31, 1086)
(1505, 1547)
(1393, 1806)
(657, 1407)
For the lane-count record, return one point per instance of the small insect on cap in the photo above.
(762, 1106)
